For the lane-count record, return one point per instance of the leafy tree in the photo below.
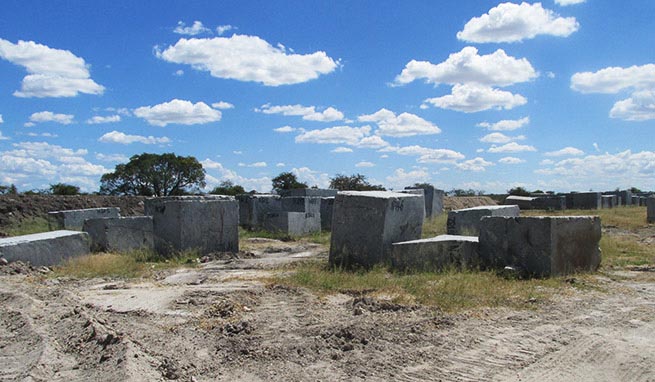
(462, 192)
(356, 182)
(226, 187)
(287, 181)
(518, 191)
(8, 190)
(154, 175)
(635, 190)
(64, 189)
(422, 185)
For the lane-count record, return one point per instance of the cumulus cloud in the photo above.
(612, 80)
(596, 147)
(312, 177)
(51, 72)
(372, 142)
(564, 3)
(401, 178)
(221, 29)
(48, 116)
(126, 139)
(402, 125)
(195, 29)
(222, 105)
(511, 160)
(335, 135)
(256, 164)
(511, 147)
(308, 113)
(2, 137)
(509, 22)
(429, 155)
(639, 107)
(566, 151)
(100, 119)
(365, 164)
(505, 125)
(471, 98)
(340, 150)
(112, 157)
(500, 138)
(476, 165)
(216, 173)
(248, 58)
(285, 129)
(178, 112)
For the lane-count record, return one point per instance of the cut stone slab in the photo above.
(467, 221)
(301, 204)
(203, 223)
(650, 209)
(365, 224)
(47, 248)
(293, 223)
(541, 246)
(253, 208)
(583, 201)
(608, 201)
(435, 254)
(433, 200)
(121, 235)
(545, 202)
(327, 207)
(74, 219)
(309, 192)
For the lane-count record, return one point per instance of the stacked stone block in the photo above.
(467, 221)
(74, 219)
(436, 254)
(121, 234)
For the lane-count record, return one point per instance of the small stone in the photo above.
(3, 261)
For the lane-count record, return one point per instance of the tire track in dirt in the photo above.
(20, 346)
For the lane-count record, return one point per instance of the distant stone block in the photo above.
(204, 223)
(467, 221)
(436, 254)
(309, 192)
(650, 209)
(74, 219)
(583, 201)
(293, 223)
(608, 201)
(545, 202)
(121, 235)
(365, 224)
(541, 246)
(327, 207)
(635, 200)
(301, 204)
(433, 200)
(254, 208)
(48, 248)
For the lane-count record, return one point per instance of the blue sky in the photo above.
(557, 95)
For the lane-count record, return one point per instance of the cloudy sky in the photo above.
(557, 95)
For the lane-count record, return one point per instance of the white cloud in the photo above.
(312, 177)
(596, 147)
(342, 150)
(511, 160)
(511, 147)
(2, 137)
(466, 66)
(308, 113)
(237, 152)
(429, 155)
(335, 135)
(564, 3)
(248, 58)
(51, 72)
(567, 151)
(222, 105)
(506, 124)
(195, 29)
(372, 142)
(216, 173)
(471, 98)
(500, 138)
(509, 22)
(256, 164)
(125, 139)
(48, 116)
(1, 120)
(546, 162)
(476, 165)
(365, 164)
(178, 112)
(402, 125)
(285, 129)
(401, 178)
(178, 73)
(46, 135)
(112, 157)
(639, 107)
(99, 119)
(614, 79)
(280, 164)
(221, 29)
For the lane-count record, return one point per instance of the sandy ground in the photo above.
(221, 322)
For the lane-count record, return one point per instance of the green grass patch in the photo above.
(28, 226)
(322, 237)
(629, 218)
(622, 251)
(435, 226)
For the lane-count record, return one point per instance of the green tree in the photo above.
(287, 181)
(8, 190)
(154, 175)
(356, 182)
(518, 191)
(64, 189)
(226, 187)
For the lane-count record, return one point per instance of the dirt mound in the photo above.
(458, 202)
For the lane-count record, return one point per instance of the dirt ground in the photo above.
(221, 321)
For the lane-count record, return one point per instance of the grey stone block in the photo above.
(433, 200)
(467, 221)
(545, 202)
(624, 198)
(301, 204)
(608, 201)
(541, 246)
(309, 192)
(365, 224)
(203, 223)
(650, 209)
(635, 200)
(48, 248)
(583, 200)
(254, 208)
(436, 254)
(327, 207)
(121, 234)
(74, 219)
(293, 223)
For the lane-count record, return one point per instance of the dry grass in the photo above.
(629, 218)
(623, 251)
(435, 226)
(28, 226)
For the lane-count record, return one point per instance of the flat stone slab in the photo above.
(541, 246)
(583, 200)
(47, 248)
(121, 234)
(74, 219)
(549, 202)
(467, 221)
(435, 254)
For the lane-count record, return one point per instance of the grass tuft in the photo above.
(28, 226)
(435, 226)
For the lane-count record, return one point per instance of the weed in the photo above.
(435, 225)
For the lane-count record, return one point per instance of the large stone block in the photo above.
(365, 224)
(467, 221)
(301, 204)
(650, 209)
(436, 254)
(203, 223)
(121, 234)
(48, 248)
(293, 223)
(608, 201)
(327, 207)
(309, 192)
(541, 246)
(583, 200)
(544, 202)
(254, 208)
(433, 200)
(74, 219)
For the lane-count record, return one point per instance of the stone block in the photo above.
(309, 192)
(254, 208)
(47, 248)
(650, 209)
(433, 200)
(583, 201)
(121, 235)
(541, 246)
(608, 201)
(467, 221)
(203, 223)
(293, 223)
(544, 202)
(301, 204)
(74, 219)
(327, 207)
(365, 224)
(436, 254)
